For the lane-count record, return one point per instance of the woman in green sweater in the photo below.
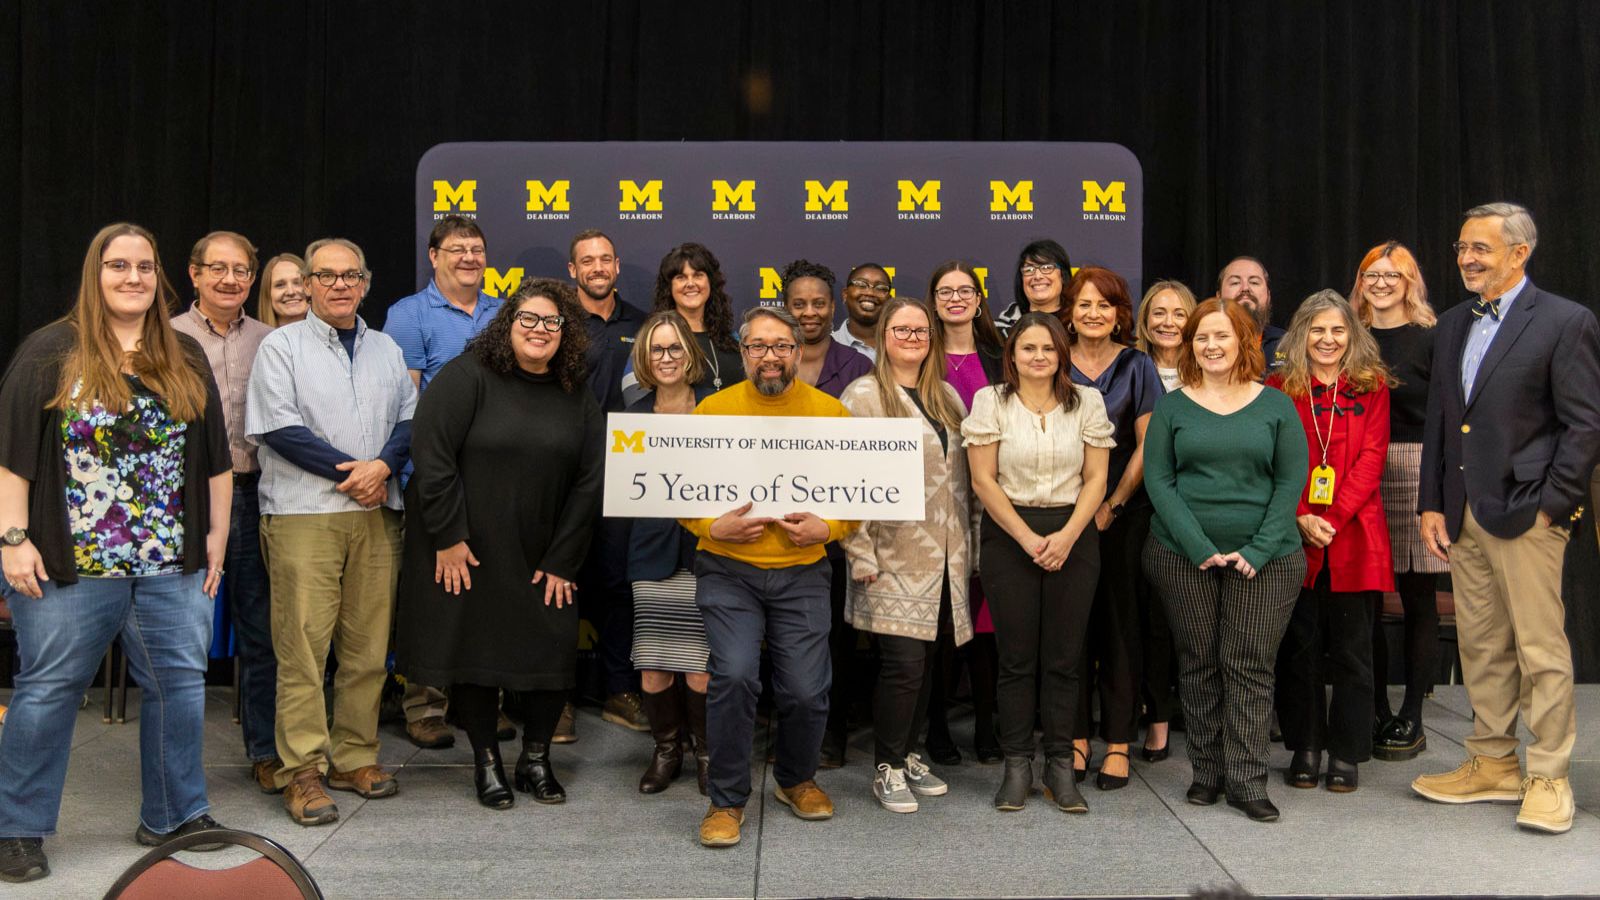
(1225, 461)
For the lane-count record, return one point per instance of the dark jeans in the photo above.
(1113, 650)
(1329, 639)
(742, 605)
(905, 682)
(841, 647)
(1039, 621)
(1419, 597)
(607, 602)
(249, 598)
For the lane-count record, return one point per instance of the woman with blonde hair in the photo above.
(116, 488)
(282, 298)
(909, 579)
(1166, 306)
(1340, 388)
(1390, 297)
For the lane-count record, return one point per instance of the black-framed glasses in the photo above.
(1032, 269)
(121, 266)
(1371, 277)
(532, 320)
(781, 350)
(908, 333)
(965, 292)
(877, 287)
(329, 279)
(221, 270)
(671, 351)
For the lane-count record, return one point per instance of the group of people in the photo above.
(1174, 504)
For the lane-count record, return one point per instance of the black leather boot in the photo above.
(535, 776)
(489, 776)
(1015, 784)
(695, 711)
(1342, 777)
(1061, 786)
(667, 761)
(1304, 769)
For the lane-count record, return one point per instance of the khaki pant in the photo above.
(1511, 628)
(333, 581)
(421, 702)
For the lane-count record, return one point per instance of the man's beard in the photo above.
(772, 387)
(1258, 310)
(589, 292)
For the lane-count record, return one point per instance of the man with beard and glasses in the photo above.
(765, 578)
(867, 289)
(1245, 279)
(594, 265)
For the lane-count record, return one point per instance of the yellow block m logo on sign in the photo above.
(553, 198)
(634, 196)
(1019, 198)
(833, 195)
(460, 196)
(726, 197)
(913, 197)
(1109, 198)
(626, 442)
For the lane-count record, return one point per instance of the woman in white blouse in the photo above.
(1039, 447)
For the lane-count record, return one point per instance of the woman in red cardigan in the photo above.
(1333, 372)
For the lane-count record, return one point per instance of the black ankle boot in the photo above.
(695, 712)
(667, 761)
(1342, 778)
(1304, 769)
(1015, 784)
(535, 776)
(489, 776)
(1061, 785)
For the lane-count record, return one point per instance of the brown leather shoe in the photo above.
(305, 800)
(626, 710)
(264, 771)
(806, 800)
(1480, 779)
(431, 733)
(567, 728)
(720, 827)
(370, 782)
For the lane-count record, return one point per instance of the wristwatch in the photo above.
(1117, 510)
(14, 536)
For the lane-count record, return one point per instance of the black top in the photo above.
(1408, 352)
(610, 344)
(513, 465)
(30, 447)
(659, 547)
(935, 424)
(729, 363)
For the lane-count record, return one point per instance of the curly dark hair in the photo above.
(805, 268)
(492, 346)
(719, 309)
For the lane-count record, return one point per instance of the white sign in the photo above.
(681, 466)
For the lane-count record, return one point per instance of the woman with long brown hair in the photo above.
(690, 282)
(115, 491)
(283, 298)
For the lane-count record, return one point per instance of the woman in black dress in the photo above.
(690, 283)
(507, 448)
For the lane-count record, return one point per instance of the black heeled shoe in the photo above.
(1061, 790)
(1156, 754)
(1016, 782)
(985, 746)
(1342, 777)
(489, 777)
(1078, 775)
(1258, 810)
(535, 776)
(1305, 769)
(1110, 782)
(1202, 794)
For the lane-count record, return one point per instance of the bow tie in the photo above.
(1480, 307)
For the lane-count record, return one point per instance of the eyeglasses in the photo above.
(759, 351)
(1477, 249)
(671, 351)
(464, 251)
(329, 279)
(121, 266)
(965, 292)
(1375, 277)
(1030, 270)
(221, 270)
(908, 333)
(877, 287)
(532, 320)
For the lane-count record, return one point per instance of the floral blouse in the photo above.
(125, 487)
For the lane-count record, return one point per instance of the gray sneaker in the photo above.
(921, 779)
(890, 789)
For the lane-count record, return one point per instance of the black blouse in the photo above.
(1408, 352)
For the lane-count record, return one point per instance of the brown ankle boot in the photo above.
(667, 761)
(695, 710)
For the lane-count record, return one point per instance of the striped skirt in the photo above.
(668, 634)
(1400, 474)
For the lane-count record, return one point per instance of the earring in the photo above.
(1071, 329)
(1117, 328)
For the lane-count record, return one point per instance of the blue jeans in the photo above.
(250, 600)
(164, 624)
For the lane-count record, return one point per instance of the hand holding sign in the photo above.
(804, 529)
(737, 527)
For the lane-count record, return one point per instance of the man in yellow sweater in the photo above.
(765, 578)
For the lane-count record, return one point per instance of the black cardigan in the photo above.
(30, 447)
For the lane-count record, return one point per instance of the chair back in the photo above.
(274, 875)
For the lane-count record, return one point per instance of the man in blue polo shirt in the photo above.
(432, 327)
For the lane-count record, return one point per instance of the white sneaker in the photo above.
(890, 788)
(921, 779)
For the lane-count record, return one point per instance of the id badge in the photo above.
(1322, 486)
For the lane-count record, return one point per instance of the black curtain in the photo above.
(1298, 133)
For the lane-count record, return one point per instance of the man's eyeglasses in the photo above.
(532, 320)
(329, 279)
(221, 270)
(877, 287)
(759, 351)
(1476, 249)
(464, 251)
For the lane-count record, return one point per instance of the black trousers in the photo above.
(1039, 623)
(905, 682)
(1419, 598)
(477, 708)
(1113, 653)
(1329, 639)
(841, 648)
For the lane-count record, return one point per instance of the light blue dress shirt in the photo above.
(1482, 336)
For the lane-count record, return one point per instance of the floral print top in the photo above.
(125, 487)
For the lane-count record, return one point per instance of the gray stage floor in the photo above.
(433, 840)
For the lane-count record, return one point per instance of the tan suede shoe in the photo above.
(720, 827)
(1479, 779)
(265, 772)
(370, 782)
(1546, 804)
(806, 800)
(305, 800)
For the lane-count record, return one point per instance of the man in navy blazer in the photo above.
(1512, 435)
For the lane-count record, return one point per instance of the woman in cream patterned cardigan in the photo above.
(909, 579)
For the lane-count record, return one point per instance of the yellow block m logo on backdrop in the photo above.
(912, 196)
(553, 198)
(833, 195)
(498, 285)
(771, 283)
(1019, 198)
(460, 196)
(726, 197)
(634, 196)
(1108, 198)
(627, 442)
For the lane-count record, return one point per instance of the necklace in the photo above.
(1322, 477)
(956, 364)
(711, 359)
